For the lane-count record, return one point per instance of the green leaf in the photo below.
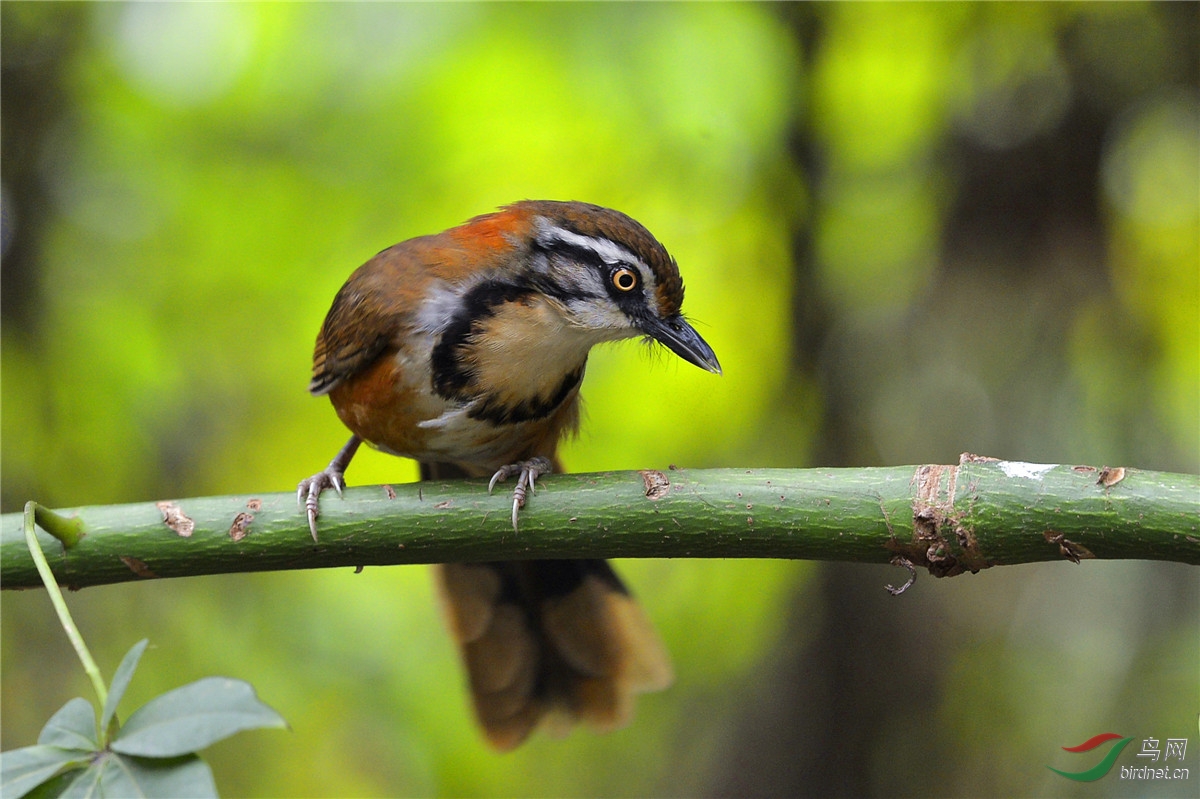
(118, 775)
(22, 770)
(192, 717)
(172, 778)
(54, 787)
(120, 682)
(72, 727)
(88, 781)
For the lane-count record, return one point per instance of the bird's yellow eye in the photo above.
(625, 279)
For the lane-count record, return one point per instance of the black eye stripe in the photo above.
(597, 252)
(584, 255)
(605, 269)
(581, 254)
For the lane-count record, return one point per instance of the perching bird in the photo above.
(465, 350)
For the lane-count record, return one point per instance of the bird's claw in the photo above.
(308, 493)
(529, 471)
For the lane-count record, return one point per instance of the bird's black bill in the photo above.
(684, 341)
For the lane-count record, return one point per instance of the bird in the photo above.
(465, 351)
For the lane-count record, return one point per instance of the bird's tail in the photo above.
(560, 640)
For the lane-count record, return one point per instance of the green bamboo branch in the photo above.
(947, 519)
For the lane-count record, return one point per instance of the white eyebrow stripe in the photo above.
(609, 251)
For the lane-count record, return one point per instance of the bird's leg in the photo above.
(308, 493)
(529, 472)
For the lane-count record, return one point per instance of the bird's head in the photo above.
(610, 276)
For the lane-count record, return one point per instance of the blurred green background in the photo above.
(908, 231)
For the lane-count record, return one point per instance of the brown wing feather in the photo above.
(371, 312)
(355, 333)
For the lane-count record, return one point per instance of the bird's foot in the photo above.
(308, 492)
(529, 471)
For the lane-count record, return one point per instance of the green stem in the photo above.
(67, 529)
(32, 511)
